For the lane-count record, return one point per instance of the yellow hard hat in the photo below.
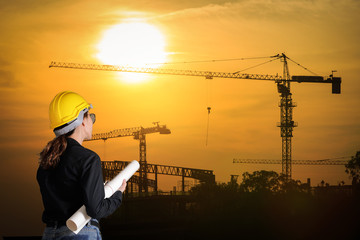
(66, 112)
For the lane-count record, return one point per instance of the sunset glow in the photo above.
(137, 44)
(184, 36)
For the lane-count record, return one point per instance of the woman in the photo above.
(70, 175)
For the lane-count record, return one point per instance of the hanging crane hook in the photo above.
(207, 129)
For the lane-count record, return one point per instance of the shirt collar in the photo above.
(72, 141)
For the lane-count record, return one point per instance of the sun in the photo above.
(135, 44)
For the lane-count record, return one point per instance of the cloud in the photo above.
(273, 10)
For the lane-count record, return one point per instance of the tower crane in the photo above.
(138, 133)
(329, 161)
(283, 85)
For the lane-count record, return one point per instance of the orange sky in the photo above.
(321, 35)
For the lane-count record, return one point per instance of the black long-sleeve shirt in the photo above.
(77, 180)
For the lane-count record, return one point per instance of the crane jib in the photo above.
(206, 74)
(336, 81)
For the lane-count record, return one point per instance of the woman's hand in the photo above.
(123, 186)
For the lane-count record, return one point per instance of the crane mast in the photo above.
(283, 84)
(286, 119)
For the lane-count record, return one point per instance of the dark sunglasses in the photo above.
(93, 117)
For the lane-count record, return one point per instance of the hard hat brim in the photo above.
(73, 124)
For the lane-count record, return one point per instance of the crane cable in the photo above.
(207, 129)
(208, 99)
(214, 60)
(208, 93)
(273, 58)
(303, 67)
(257, 65)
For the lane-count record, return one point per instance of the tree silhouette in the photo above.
(260, 182)
(291, 185)
(266, 205)
(353, 168)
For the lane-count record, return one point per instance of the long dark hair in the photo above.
(50, 155)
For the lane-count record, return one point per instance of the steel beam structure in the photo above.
(139, 133)
(111, 168)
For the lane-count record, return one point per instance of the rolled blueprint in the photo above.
(80, 218)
